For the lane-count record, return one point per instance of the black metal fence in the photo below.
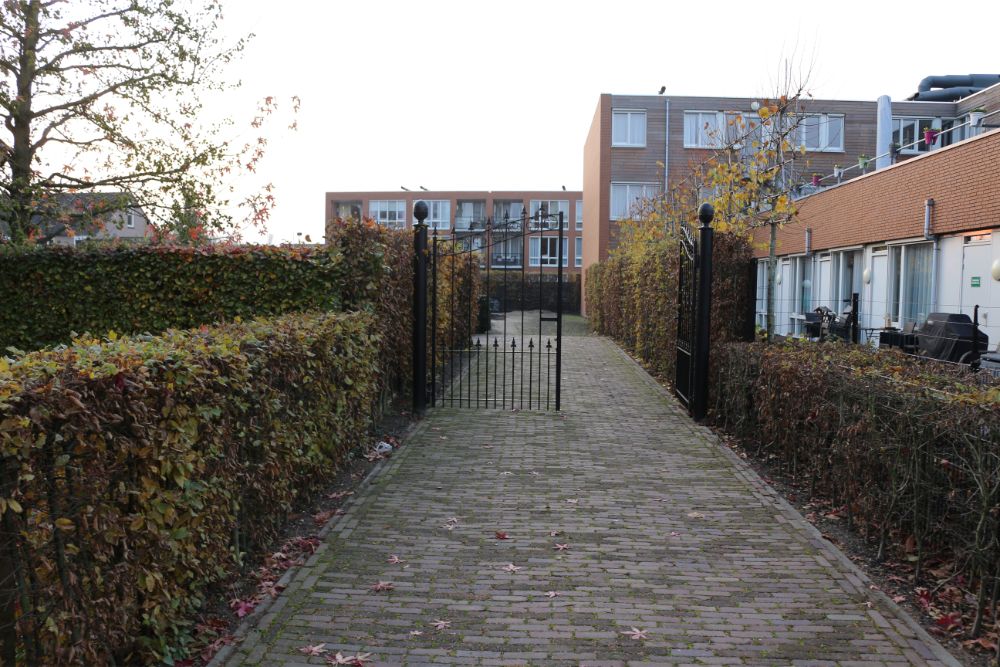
(494, 344)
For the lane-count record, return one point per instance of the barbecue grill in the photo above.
(951, 337)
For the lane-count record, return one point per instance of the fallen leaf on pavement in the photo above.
(635, 633)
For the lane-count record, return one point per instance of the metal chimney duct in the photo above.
(883, 132)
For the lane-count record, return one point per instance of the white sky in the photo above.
(500, 95)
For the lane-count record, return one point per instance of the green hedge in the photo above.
(135, 471)
(908, 451)
(50, 292)
(632, 298)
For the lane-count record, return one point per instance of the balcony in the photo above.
(470, 224)
(501, 261)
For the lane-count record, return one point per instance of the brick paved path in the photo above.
(667, 532)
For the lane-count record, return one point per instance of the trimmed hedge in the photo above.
(632, 298)
(50, 292)
(393, 298)
(538, 292)
(910, 450)
(134, 472)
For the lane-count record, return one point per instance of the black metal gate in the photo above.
(694, 306)
(687, 299)
(494, 326)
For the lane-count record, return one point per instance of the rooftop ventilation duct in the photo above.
(953, 87)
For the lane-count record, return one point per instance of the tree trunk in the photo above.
(22, 153)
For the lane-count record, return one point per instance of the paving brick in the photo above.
(670, 533)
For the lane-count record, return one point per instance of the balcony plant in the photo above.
(863, 161)
(930, 135)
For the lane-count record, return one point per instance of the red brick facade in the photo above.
(963, 180)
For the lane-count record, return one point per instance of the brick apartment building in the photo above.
(639, 144)
(464, 216)
(917, 237)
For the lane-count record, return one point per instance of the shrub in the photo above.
(135, 471)
(51, 292)
(909, 449)
(393, 296)
(632, 298)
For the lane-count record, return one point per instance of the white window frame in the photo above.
(379, 210)
(824, 133)
(579, 215)
(645, 191)
(535, 256)
(899, 279)
(578, 247)
(130, 217)
(438, 214)
(553, 207)
(710, 142)
(919, 122)
(628, 116)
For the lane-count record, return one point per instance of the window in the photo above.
(130, 217)
(506, 210)
(821, 132)
(507, 253)
(470, 215)
(579, 215)
(438, 213)
(910, 282)
(626, 196)
(803, 283)
(552, 207)
(701, 129)
(544, 251)
(388, 212)
(579, 251)
(345, 210)
(628, 128)
(908, 134)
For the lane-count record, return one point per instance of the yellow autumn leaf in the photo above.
(764, 112)
(112, 336)
(14, 506)
(63, 523)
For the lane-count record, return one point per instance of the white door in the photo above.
(782, 314)
(878, 294)
(823, 294)
(976, 286)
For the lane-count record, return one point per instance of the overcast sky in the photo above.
(500, 95)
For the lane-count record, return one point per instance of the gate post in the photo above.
(420, 309)
(559, 311)
(702, 337)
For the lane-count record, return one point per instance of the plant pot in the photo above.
(815, 180)
(929, 137)
(863, 162)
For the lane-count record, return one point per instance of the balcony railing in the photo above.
(470, 224)
(500, 261)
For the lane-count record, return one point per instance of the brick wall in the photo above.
(963, 180)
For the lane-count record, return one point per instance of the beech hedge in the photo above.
(135, 471)
(906, 450)
(632, 298)
(52, 292)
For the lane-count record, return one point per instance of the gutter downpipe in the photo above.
(928, 213)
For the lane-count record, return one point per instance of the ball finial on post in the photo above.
(706, 214)
(420, 211)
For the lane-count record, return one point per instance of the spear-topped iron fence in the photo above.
(503, 351)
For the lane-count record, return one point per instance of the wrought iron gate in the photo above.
(687, 291)
(494, 329)
(694, 307)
